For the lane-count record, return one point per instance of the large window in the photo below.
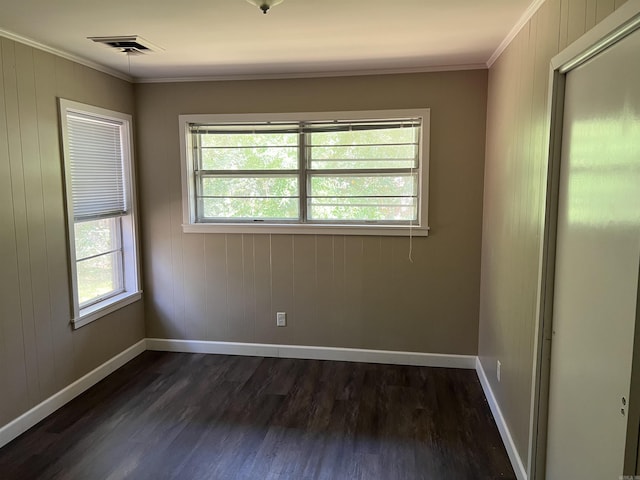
(100, 210)
(348, 172)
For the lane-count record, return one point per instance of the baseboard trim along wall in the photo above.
(27, 420)
(516, 461)
(314, 353)
(45, 408)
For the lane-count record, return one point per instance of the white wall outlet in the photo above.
(498, 369)
(281, 319)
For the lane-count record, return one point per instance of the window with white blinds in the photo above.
(96, 166)
(353, 169)
(99, 187)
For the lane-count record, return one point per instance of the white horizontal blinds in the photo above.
(246, 172)
(363, 172)
(96, 167)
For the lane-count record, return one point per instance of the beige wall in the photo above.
(39, 353)
(514, 196)
(344, 291)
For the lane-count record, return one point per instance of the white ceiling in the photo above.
(217, 38)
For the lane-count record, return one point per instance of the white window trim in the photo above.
(190, 225)
(131, 277)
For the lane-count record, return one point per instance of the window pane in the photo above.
(263, 186)
(403, 209)
(250, 208)
(369, 164)
(358, 137)
(263, 151)
(369, 153)
(364, 185)
(248, 140)
(96, 236)
(99, 276)
(262, 158)
(377, 148)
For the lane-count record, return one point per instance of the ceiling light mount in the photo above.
(265, 5)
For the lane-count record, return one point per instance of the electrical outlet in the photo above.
(498, 369)
(281, 319)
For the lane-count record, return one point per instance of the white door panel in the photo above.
(598, 250)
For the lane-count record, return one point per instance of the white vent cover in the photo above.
(129, 44)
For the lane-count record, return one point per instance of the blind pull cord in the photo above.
(411, 232)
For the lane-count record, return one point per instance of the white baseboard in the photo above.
(516, 461)
(314, 353)
(28, 419)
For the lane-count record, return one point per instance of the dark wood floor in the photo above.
(185, 416)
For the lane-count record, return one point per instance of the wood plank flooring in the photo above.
(190, 416)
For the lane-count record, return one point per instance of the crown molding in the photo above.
(340, 73)
(61, 53)
(522, 21)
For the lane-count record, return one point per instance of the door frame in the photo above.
(612, 29)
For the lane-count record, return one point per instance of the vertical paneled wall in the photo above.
(514, 199)
(346, 291)
(39, 352)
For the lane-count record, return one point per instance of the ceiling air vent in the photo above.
(130, 44)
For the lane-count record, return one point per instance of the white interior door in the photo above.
(596, 279)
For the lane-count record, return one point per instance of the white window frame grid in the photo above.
(126, 225)
(192, 225)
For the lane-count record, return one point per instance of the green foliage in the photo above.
(363, 185)
(95, 236)
(98, 275)
(370, 149)
(251, 208)
(274, 151)
(368, 137)
(251, 186)
(354, 209)
(262, 158)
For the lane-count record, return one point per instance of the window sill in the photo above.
(94, 312)
(301, 229)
